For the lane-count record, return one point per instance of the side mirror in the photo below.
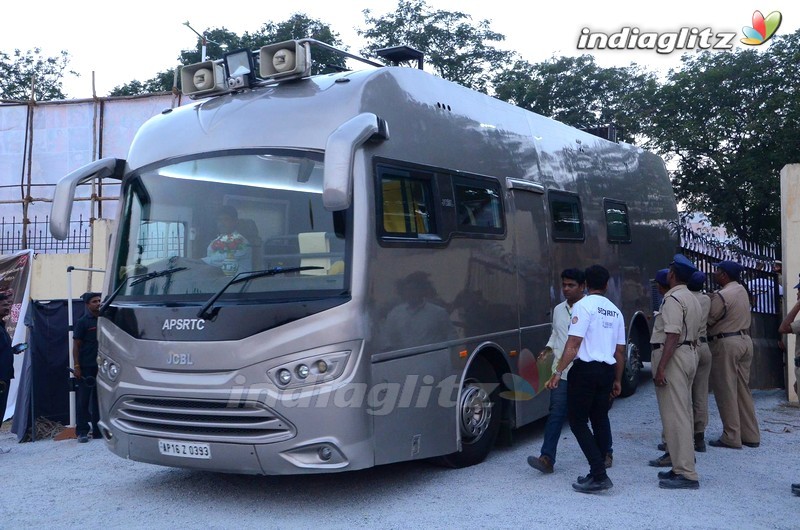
(340, 151)
(64, 195)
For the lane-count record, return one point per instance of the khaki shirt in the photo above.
(705, 305)
(679, 313)
(796, 330)
(730, 310)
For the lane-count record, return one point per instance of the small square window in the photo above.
(617, 223)
(565, 209)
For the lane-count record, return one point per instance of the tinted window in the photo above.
(617, 224)
(565, 210)
(478, 205)
(407, 203)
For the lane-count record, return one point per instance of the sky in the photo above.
(120, 41)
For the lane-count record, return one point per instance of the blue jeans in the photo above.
(558, 414)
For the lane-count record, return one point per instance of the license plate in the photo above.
(185, 449)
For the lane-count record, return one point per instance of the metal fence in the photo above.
(758, 276)
(16, 235)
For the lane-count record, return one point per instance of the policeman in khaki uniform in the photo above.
(700, 385)
(731, 356)
(675, 334)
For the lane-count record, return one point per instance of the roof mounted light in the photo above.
(284, 60)
(203, 79)
(239, 64)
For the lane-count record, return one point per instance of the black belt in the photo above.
(684, 343)
(724, 335)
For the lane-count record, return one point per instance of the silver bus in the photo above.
(321, 273)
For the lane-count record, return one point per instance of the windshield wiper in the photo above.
(139, 278)
(206, 312)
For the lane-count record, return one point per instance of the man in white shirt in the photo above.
(596, 343)
(573, 283)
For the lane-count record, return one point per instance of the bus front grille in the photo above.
(197, 419)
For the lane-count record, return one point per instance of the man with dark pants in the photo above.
(596, 343)
(573, 284)
(790, 325)
(84, 354)
(675, 331)
(731, 356)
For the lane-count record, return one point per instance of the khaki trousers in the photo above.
(730, 380)
(675, 407)
(700, 388)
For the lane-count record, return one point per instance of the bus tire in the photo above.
(479, 415)
(633, 366)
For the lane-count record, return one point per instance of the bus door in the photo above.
(536, 297)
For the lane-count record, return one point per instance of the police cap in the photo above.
(731, 268)
(684, 268)
(661, 278)
(697, 280)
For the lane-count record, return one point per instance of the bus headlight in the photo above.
(302, 371)
(309, 370)
(284, 376)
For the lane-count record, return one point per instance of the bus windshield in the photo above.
(212, 218)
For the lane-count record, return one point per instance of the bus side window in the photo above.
(407, 206)
(478, 205)
(565, 209)
(617, 223)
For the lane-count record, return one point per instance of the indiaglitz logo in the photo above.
(665, 42)
(763, 28)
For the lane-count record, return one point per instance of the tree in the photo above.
(20, 72)
(456, 48)
(578, 92)
(731, 121)
(221, 40)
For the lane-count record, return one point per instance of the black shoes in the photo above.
(720, 443)
(795, 488)
(751, 444)
(588, 477)
(543, 463)
(699, 442)
(592, 485)
(666, 474)
(662, 447)
(662, 461)
(83, 438)
(678, 482)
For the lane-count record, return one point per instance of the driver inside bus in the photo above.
(230, 250)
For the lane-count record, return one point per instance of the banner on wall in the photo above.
(15, 281)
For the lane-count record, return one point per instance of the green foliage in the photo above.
(162, 82)
(578, 92)
(221, 40)
(22, 70)
(731, 121)
(456, 48)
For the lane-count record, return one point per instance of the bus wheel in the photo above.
(479, 411)
(633, 366)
